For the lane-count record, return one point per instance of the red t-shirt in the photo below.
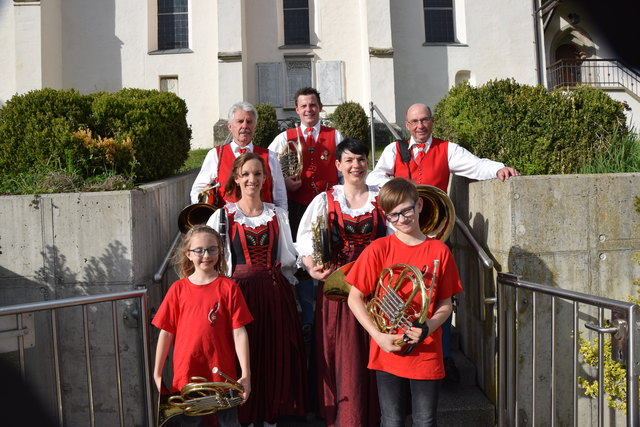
(425, 360)
(202, 318)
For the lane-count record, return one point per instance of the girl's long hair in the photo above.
(231, 188)
(183, 265)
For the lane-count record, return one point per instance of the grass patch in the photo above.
(195, 159)
(623, 155)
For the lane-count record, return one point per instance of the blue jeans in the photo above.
(395, 393)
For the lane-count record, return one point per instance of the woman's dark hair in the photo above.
(354, 145)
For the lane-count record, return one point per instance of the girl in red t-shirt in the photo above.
(204, 315)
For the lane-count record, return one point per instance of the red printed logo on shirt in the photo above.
(212, 314)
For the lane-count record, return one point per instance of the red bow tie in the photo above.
(242, 150)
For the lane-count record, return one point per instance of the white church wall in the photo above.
(495, 46)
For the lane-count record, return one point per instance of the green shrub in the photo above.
(267, 128)
(529, 128)
(36, 130)
(140, 134)
(154, 121)
(351, 120)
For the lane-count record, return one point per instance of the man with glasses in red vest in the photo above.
(426, 160)
(218, 163)
(319, 174)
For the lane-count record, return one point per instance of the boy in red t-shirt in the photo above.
(417, 375)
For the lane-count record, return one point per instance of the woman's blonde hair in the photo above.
(183, 265)
(231, 188)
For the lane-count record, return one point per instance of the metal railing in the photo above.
(80, 363)
(538, 326)
(602, 73)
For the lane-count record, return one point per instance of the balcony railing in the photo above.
(602, 73)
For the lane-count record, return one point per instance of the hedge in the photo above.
(529, 128)
(135, 132)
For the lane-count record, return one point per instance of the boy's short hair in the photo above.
(395, 192)
(354, 145)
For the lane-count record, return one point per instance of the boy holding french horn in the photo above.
(411, 279)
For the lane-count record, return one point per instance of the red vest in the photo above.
(432, 170)
(319, 171)
(225, 164)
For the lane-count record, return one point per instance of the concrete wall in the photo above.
(576, 232)
(66, 245)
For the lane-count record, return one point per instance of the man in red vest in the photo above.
(430, 161)
(318, 173)
(217, 165)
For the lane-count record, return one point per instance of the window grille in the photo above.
(438, 21)
(173, 24)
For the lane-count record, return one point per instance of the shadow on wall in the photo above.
(98, 275)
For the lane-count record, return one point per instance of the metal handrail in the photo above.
(372, 108)
(510, 319)
(593, 72)
(19, 310)
(157, 278)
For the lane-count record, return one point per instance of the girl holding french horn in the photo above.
(259, 249)
(349, 217)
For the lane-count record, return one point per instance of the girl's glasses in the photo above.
(212, 250)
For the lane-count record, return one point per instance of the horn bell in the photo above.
(438, 215)
(195, 214)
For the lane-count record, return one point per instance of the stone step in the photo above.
(465, 406)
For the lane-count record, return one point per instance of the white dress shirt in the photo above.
(286, 253)
(209, 171)
(461, 162)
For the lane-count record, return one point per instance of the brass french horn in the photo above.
(391, 306)
(195, 214)
(200, 397)
(437, 220)
(438, 215)
(290, 157)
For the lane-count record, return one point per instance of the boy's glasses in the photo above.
(407, 213)
(212, 250)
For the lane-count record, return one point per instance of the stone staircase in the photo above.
(464, 404)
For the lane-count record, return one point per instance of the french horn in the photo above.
(436, 220)
(195, 214)
(200, 397)
(391, 307)
(290, 157)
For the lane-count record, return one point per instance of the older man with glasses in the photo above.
(430, 161)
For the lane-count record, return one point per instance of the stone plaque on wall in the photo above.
(329, 78)
(269, 76)
(298, 76)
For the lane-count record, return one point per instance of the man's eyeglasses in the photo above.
(199, 252)
(423, 120)
(407, 213)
